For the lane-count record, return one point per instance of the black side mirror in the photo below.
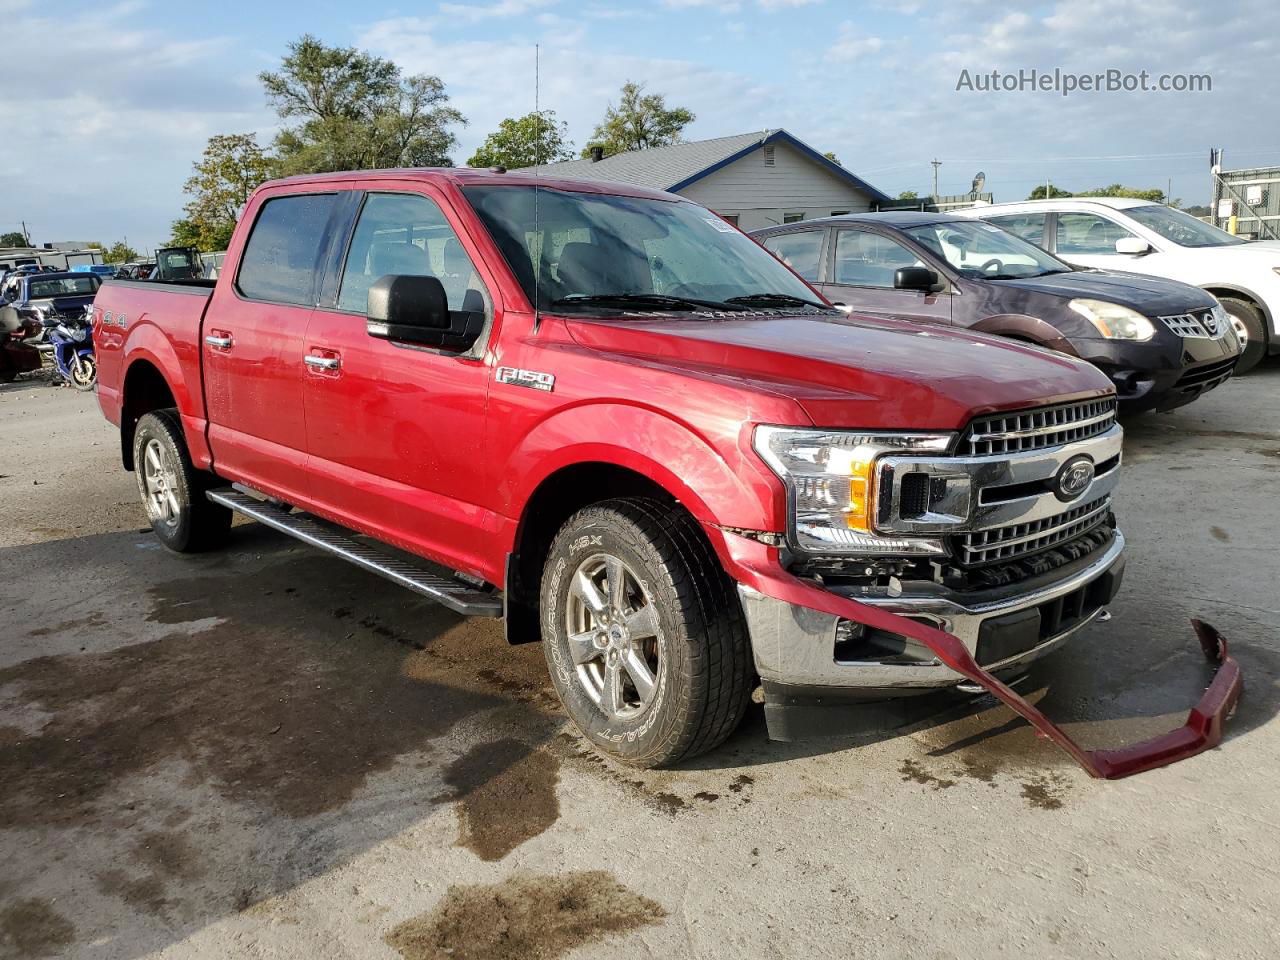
(915, 278)
(414, 309)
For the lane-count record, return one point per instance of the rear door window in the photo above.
(800, 251)
(1029, 226)
(281, 258)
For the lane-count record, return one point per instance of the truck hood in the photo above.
(1152, 296)
(852, 371)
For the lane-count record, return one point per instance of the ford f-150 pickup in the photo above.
(606, 415)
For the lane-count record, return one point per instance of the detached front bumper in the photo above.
(793, 624)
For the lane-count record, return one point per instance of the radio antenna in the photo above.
(537, 163)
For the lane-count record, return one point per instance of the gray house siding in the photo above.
(761, 195)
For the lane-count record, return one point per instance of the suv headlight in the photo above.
(1114, 321)
(831, 481)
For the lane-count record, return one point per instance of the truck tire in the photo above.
(1247, 320)
(172, 489)
(643, 633)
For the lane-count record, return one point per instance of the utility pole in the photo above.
(1046, 187)
(936, 164)
(26, 235)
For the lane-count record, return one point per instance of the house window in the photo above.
(768, 155)
(731, 217)
(839, 213)
(794, 217)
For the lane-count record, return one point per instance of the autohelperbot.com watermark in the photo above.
(1065, 82)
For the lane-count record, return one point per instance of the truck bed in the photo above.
(161, 322)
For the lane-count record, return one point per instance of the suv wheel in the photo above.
(1248, 323)
(172, 489)
(643, 633)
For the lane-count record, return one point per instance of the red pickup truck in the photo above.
(606, 415)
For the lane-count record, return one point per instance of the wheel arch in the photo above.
(1221, 290)
(1018, 326)
(145, 389)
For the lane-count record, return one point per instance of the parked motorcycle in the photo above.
(16, 355)
(72, 342)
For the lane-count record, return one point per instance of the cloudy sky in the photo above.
(106, 105)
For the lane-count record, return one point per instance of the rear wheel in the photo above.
(643, 633)
(1250, 328)
(173, 490)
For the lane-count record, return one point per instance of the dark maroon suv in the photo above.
(1161, 342)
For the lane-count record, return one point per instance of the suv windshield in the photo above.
(982, 251)
(1180, 227)
(591, 251)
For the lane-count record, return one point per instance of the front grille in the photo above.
(1036, 429)
(1208, 376)
(1200, 325)
(1021, 539)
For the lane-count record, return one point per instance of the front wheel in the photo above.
(173, 490)
(84, 372)
(643, 633)
(1250, 328)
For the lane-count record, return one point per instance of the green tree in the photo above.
(13, 239)
(185, 232)
(119, 252)
(525, 142)
(231, 167)
(1053, 192)
(638, 121)
(1117, 190)
(830, 155)
(355, 111)
(908, 195)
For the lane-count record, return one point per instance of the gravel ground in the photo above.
(268, 753)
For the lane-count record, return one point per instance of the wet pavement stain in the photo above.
(342, 707)
(32, 928)
(1220, 534)
(92, 620)
(1044, 793)
(912, 771)
(506, 795)
(525, 916)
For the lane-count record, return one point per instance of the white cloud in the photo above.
(852, 44)
(785, 4)
(723, 6)
(488, 11)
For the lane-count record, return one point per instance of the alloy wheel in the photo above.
(160, 483)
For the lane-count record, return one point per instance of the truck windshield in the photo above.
(982, 251)
(591, 252)
(1181, 227)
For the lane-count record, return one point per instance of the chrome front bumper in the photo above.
(795, 645)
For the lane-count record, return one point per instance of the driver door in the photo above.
(860, 275)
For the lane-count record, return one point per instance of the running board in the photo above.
(311, 530)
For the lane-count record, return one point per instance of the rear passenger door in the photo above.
(395, 430)
(252, 346)
(861, 272)
(1028, 226)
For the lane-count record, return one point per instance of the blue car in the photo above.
(104, 270)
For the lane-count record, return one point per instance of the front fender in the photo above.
(723, 487)
(1020, 326)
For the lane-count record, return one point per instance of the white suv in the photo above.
(1138, 236)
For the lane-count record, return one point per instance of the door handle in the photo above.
(223, 343)
(321, 363)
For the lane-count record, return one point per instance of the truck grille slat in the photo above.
(1020, 539)
(1037, 429)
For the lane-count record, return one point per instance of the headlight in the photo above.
(1114, 321)
(831, 487)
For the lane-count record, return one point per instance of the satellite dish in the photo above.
(979, 182)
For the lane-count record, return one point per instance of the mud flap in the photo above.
(758, 567)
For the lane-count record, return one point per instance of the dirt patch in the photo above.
(267, 705)
(33, 928)
(92, 620)
(506, 794)
(912, 771)
(523, 917)
(1220, 534)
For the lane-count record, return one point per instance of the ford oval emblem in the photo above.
(1073, 478)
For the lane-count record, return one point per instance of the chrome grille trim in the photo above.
(1036, 429)
(1200, 325)
(1020, 539)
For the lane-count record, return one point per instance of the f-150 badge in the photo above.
(527, 378)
